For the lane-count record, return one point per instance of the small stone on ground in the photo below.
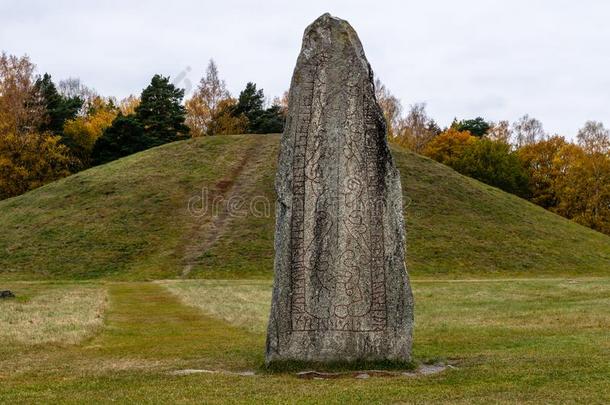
(6, 294)
(423, 370)
(203, 371)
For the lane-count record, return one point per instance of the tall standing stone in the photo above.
(341, 290)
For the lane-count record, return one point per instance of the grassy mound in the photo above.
(142, 217)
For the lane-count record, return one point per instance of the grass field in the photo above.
(122, 284)
(526, 341)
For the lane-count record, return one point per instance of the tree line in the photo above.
(49, 130)
(571, 179)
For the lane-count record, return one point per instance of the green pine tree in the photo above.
(269, 121)
(124, 137)
(477, 127)
(161, 112)
(59, 109)
(260, 120)
(250, 102)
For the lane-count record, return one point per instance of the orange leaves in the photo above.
(449, 145)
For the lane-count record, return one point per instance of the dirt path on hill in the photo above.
(209, 228)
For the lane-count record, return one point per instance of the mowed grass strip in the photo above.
(146, 322)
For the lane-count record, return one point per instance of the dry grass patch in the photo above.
(55, 314)
(241, 303)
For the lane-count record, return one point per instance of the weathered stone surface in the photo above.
(341, 290)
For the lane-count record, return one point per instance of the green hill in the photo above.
(130, 219)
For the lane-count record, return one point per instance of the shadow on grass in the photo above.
(292, 366)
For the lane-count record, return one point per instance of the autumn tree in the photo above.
(527, 130)
(18, 111)
(204, 104)
(128, 105)
(449, 146)
(594, 138)
(416, 129)
(29, 158)
(541, 160)
(390, 106)
(412, 131)
(81, 133)
(495, 164)
(491, 162)
(583, 188)
(225, 121)
(500, 132)
(282, 102)
(572, 180)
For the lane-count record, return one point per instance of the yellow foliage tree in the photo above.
(82, 132)
(18, 111)
(583, 187)
(448, 146)
(570, 180)
(416, 129)
(128, 105)
(390, 106)
(544, 168)
(224, 122)
(30, 160)
(206, 103)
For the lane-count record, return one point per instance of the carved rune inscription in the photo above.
(337, 263)
(341, 290)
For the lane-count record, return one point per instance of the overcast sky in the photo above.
(495, 59)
